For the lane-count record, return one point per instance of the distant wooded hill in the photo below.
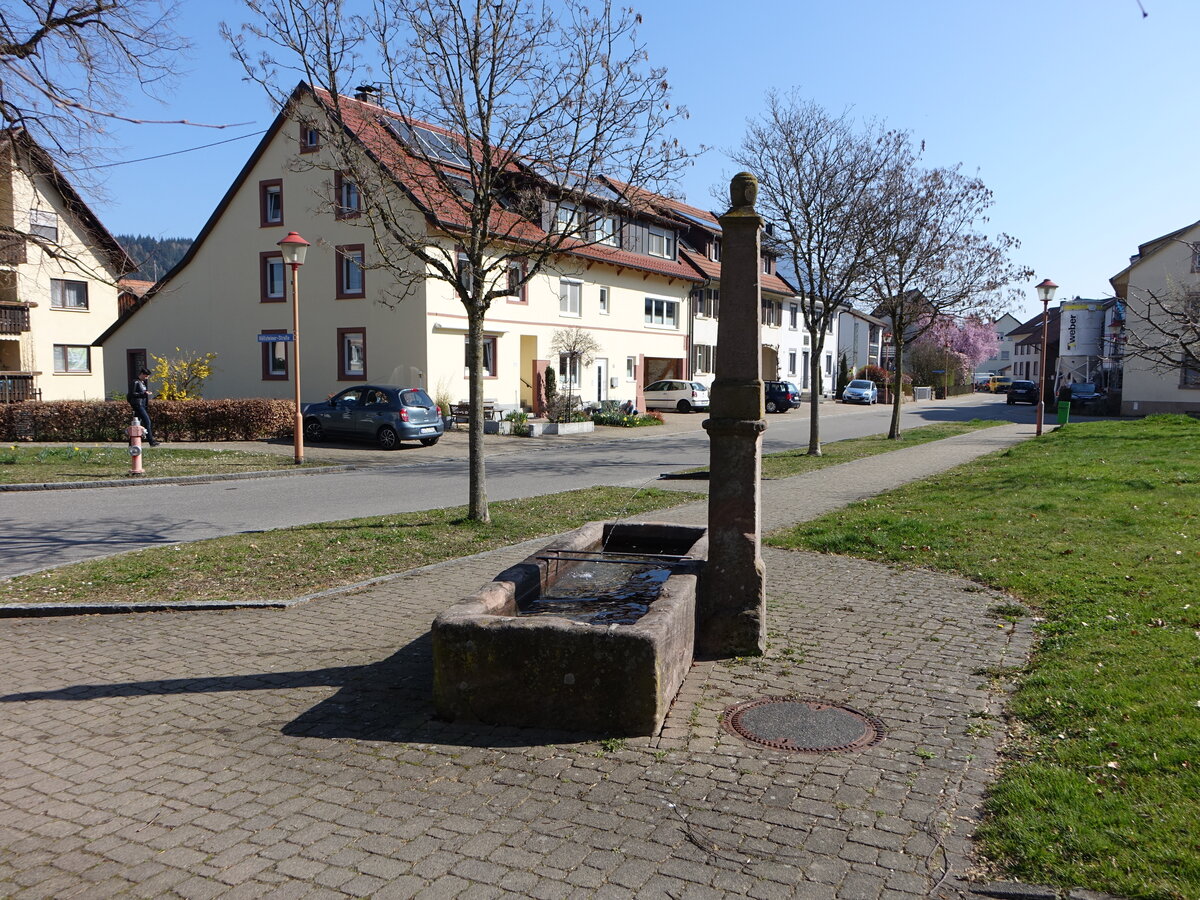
(154, 256)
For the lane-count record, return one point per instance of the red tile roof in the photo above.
(428, 189)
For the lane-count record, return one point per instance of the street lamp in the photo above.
(1045, 292)
(294, 249)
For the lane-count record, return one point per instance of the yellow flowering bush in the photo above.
(181, 377)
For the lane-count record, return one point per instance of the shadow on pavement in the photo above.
(390, 700)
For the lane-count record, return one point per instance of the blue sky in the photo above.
(1078, 114)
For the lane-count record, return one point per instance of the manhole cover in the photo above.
(801, 724)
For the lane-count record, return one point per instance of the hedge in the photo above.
(248, 419)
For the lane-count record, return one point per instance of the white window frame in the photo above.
(660, 242)
(703, 358)
(631, 368)
(568, 218)
(792, 363)
(276, 283)
(354, 276)
(793, 316)
(661, 312)
(568, 369)
(570, 298)
(273, 204)
(354, 354)
(604, 301)
(605, 230)
(349, 199)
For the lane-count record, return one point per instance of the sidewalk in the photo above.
(293, 753)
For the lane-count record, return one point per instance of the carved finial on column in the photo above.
(743, 191)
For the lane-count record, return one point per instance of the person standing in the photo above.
(138, 396)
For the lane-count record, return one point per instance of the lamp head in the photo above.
(294, 249)
(1046, 290)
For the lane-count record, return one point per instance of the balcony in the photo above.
(16, 387)
(14, 318)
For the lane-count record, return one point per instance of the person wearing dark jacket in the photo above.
(139, 394)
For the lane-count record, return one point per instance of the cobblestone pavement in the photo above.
(293, 753)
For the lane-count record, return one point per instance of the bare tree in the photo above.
(930, 262)
(510, 116)
(580, 347)
(819, 178)
(1162, 327)
(65, 72)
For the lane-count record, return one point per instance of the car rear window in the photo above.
(415, 397)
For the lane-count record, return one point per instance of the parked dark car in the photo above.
(382, 413)
(1086, 398)
(781, 396)
(1023, 392)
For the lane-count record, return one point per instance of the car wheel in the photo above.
(429, 442)
(313, 431)
(1011, 401)
(684, 406)
(388, 439)
(772, 406)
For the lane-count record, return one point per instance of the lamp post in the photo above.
(1045, 292)
(294, 248)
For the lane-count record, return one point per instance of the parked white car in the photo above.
(683, 396)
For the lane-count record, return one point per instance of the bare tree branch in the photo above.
(487, 159)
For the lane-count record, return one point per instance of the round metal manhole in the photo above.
(802, 725)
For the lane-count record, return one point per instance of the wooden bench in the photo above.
(461, 411)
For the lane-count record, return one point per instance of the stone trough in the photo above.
(593, 634)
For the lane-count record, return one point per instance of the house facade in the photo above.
(1004, 360)
(860, 338)
(1164, 272)
(230, 293)
(58, 272)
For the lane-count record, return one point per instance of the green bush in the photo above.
(247, 419)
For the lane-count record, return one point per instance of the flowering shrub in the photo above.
(182, 377)
(247, 419)
(620, 420)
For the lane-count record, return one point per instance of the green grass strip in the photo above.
(1098, 527)
(53, 465)
(292, 562)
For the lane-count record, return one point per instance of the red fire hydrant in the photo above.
(136, 432)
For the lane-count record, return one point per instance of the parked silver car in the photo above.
(860, 390)
(676, 394)
(382, 413)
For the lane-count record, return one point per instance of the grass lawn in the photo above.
(1097, 526)
(291, 562)
(44, 465)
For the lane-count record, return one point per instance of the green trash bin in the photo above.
(1064, 411)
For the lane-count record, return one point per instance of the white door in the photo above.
(601, 380)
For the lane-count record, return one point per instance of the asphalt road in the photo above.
(49, 528)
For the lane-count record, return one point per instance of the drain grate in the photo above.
(803, 725)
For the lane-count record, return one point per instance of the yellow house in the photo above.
(231, 292)
(58, 272)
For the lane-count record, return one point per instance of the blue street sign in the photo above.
(272, 338)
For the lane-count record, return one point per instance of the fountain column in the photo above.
(731, 611)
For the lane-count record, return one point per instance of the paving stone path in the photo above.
(293, 753)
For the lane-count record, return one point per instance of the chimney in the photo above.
(366, 93)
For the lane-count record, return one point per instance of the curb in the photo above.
(181, 479)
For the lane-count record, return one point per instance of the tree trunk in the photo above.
(814, 400)
(477, 503)
(897, 390)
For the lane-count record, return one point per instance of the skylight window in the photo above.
(429, 143)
